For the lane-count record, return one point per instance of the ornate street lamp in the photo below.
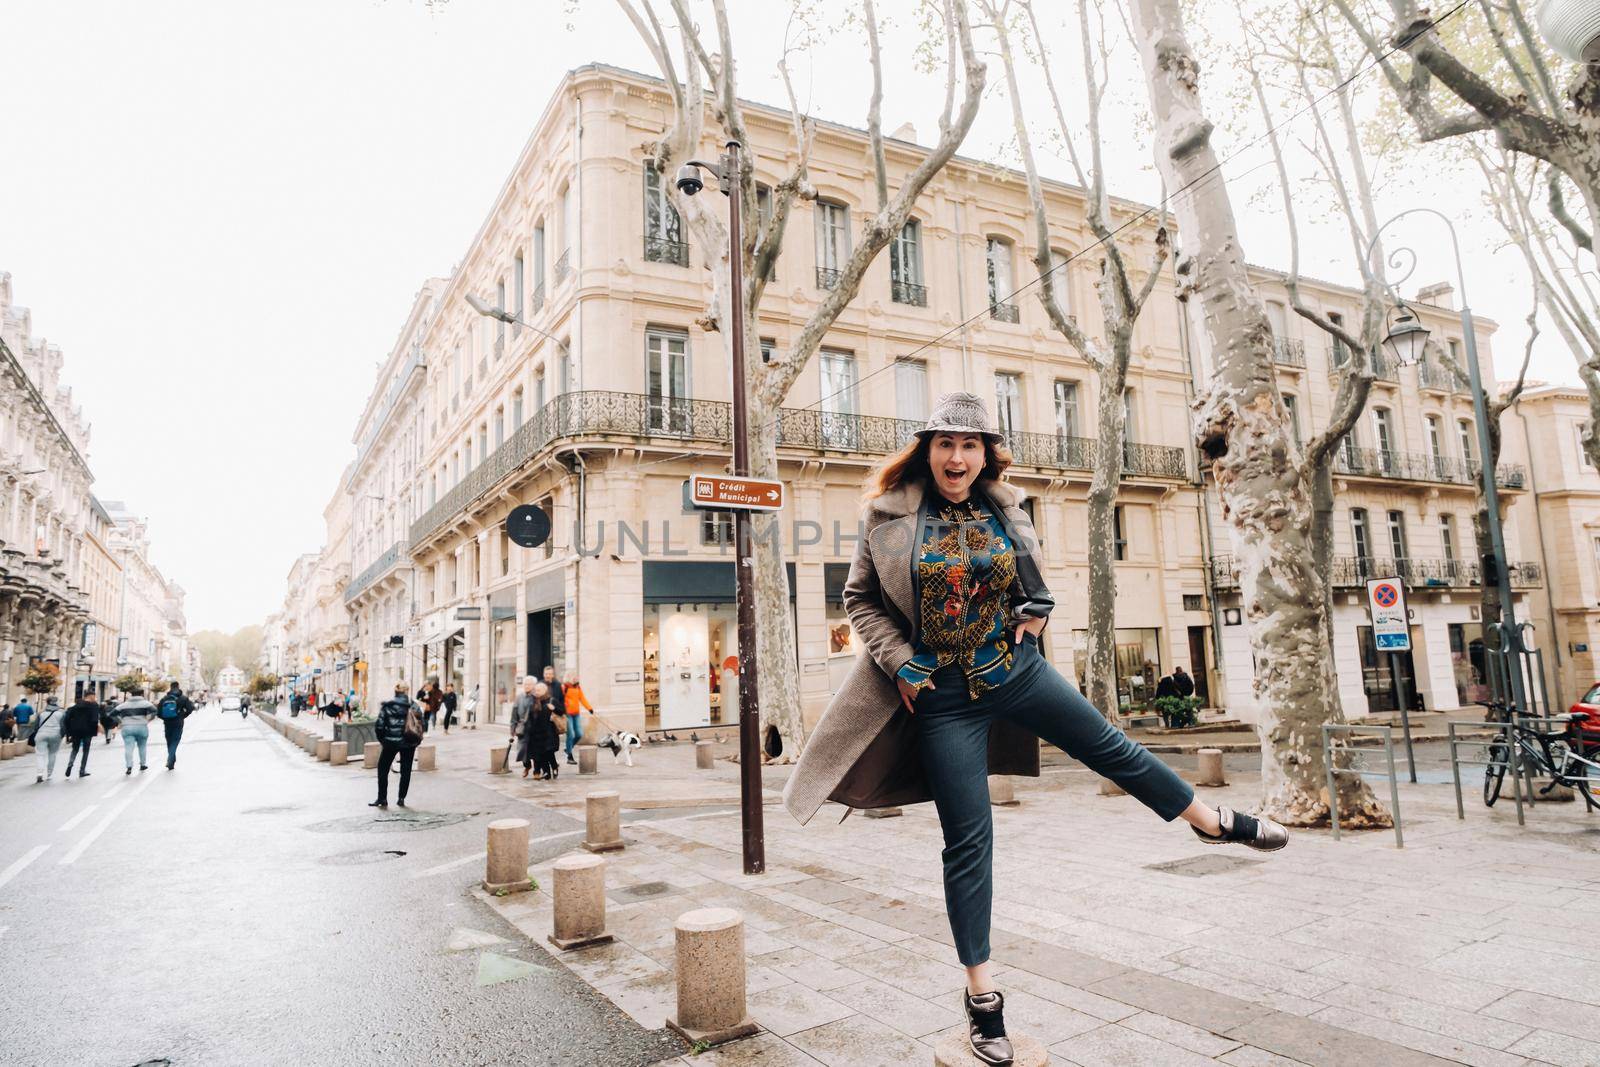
(1405, 340)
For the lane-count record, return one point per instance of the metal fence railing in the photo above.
(1387, 733)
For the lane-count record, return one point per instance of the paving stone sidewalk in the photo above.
(1119, 940)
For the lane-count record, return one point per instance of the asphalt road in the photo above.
(248, 908)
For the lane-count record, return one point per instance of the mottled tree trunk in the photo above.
(1242, 432)
(1102, 636)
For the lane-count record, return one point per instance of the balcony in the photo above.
(536, 300)
(908, 293)
(563, 266)
(1420, 467)
(828, 277)
(709, 423)
(1288, 352)
(1003, 312)
(665, 250)
(391, 558)
(1384, 369)
(1352, 572)
(1439, 379)
(499, 350)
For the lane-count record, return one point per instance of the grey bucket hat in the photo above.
(960, 413)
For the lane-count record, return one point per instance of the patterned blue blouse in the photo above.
(967, 570)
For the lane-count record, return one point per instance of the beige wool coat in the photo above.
(862, 753)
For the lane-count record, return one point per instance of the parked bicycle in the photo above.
(1568, 756)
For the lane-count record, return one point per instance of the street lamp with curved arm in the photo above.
(1407, 336)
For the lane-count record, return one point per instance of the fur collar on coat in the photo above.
(905, 498)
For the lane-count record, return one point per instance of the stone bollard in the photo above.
(704, 757)
(338, 753)
(324, 750)
(882, 813)
(5, 750)
(603, 822)
(310, 743)
(1209, 770)
(588, 759)
(953, 1051)
(1108, 788)
(580, 902)
(427, 757)
(709, 961)
(498, 760)
(370, 754)
(507, 868)
(1002, 793)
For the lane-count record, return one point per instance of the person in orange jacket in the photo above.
(577, 704)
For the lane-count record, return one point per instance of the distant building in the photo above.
(230, 679)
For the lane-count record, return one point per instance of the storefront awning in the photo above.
(693, 582)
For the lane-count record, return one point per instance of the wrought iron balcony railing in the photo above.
(563, 266)
(634, 416)
(908, 293)
(1288, 352)
(827, 277)
(536, 301)
(1420, 467)
(1384, 369)
(391, 558)
(665, 250)
(1004, 312)
(1353, 572)
(1438, 378)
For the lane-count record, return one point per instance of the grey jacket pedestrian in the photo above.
(881, 597)
(521, 711)
(136, 709)
(49, 723)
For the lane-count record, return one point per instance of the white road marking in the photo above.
(17, 867)
(100, 827)
(76, 819)
(109, 793)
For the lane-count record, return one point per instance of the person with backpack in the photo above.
(173, 708)
(45, 740)
(399, 731)
(79, 725)
(133, 718)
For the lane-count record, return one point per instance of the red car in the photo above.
(1585, 725)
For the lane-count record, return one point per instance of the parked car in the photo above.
(1585, 725)
(230, 703)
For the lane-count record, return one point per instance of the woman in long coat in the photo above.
(539, 737)
(947, 595)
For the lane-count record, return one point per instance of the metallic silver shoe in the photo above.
(986, 1028)
(1252, 831)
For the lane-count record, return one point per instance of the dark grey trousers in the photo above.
(953, 743)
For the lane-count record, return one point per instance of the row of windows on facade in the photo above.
(664, 243)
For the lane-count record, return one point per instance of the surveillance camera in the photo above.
(689, 180)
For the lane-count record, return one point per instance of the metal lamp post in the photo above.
(729, 172)
(1405, 341)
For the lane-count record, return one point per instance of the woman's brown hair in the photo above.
(911, 462)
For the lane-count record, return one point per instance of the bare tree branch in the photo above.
(875, 108)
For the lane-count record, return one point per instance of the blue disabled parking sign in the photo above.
(1391, 623)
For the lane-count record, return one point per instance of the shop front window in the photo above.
(1138, 662)
(691, 658)
(1467, 662)
(505, 668)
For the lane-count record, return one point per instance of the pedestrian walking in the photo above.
(1184, 683)
(521, 718)
(947, 595)
(1166, 687)
(449, 702)
(399, 730)
(172, 709)
(8, 722)
(79, 725)
(23, 713)
(334, 708)
(244, 706)
(45, 739)
(431, 697)
(558, 698)
(471, 706)
(133, 719)
(576, 703)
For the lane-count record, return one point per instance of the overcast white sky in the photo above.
(221, 211)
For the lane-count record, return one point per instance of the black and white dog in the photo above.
(621, 743)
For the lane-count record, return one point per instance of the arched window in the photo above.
(998, 257)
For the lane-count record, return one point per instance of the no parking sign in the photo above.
(1391, 624)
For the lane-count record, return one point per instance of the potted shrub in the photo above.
(1178, 712)
(42, 678)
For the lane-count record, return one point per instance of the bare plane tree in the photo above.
(1487, 71)
(708, 85)
(1121, 301)
(1243, 433)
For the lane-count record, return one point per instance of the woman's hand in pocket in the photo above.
(1034, 625)
(908, 693)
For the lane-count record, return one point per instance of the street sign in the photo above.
(528, 526)
(469, 614)
(722, 492)
(1391, 624)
